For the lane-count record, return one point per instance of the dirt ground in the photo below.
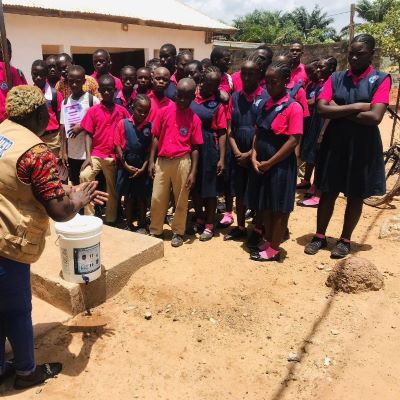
(222, 327)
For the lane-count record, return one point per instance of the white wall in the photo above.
(28, 34)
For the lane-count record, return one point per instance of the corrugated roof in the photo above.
(165, 13)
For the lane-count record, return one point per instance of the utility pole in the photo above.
(4, 47)
(351, 26)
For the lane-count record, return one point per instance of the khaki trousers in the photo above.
(109, 168)
(170, 172)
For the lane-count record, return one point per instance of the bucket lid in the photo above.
(80, 225)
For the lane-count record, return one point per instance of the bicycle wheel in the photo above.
(392, 171)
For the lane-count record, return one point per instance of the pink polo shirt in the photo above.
(53, 122)
(126, 102)
(301, 98)
(299, 74)
(17, 77)
(156, 105)
(101, 124)
(226, 84)
(290, 120)
(237, 81)
(381, 95)
(177, 130)
(219, 119)
(118, 83)
(173, 79)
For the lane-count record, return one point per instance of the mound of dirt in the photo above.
(355, 275)
(391, 228)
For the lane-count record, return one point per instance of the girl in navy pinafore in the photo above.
(243, 113)
(350, 159)
(132, 143)
(212, 152)
(272, 185)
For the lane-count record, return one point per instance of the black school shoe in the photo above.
(341, 249)
(40, 375)
(256, 256)
(235, 234)
(254, 240)
(315, 245)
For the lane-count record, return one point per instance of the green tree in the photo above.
(387, 32)
(374, 10)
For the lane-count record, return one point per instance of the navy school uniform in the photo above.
(312, 130)
(206, 181)
(138, 142)
(170, 91)
(243, 126)
(275, 189)
(350, 159)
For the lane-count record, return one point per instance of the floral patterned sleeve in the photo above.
(38, 167)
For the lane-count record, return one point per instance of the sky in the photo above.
(227, 10)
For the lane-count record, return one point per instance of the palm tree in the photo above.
(374, 10)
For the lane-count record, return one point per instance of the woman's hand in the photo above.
(86, 193)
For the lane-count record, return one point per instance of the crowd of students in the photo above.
(179, 133)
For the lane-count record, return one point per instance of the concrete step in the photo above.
(122, 253)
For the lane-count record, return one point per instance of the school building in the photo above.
(131, 30)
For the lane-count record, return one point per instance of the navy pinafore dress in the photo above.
(206, 181)
(312, 130)
(275, 189)
(138, 142)
(350, 160)
(243, 125)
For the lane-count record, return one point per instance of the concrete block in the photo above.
(122, 253)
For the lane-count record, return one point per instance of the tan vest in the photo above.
(23, 219)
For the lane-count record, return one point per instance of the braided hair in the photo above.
(365, 38)
(210, 70)
(283, 69)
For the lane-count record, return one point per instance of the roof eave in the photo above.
(42, 12)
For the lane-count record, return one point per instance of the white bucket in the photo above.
(79, 241)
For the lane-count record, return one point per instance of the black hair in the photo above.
(170, 48)
(66, 56)
(103, 52)
(184, 53)
(77, 68)
(146, 68)
(51, 56)
(211, 70)
(254, 57)
(217, 53)
(296, 42)
(282, 68)
(205, 62)
(141, 97)
(365, 38)
(282, 54)
(198, 64)
(126, 67)
(331, 62)
(105, 78)
(40, 63)
(266, 48)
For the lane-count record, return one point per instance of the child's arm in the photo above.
(131, 170)
(153, 151)
(194, 155)
(88, 148)
(63, 146)
(222, 145)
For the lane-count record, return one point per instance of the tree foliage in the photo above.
(374, 10)
(276, 27)
(387, 32)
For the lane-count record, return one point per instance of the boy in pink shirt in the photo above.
(298, 70)
(176, 135)
(102, 66)
(161, 80)
(100, 123)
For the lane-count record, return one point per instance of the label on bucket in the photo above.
(87, 259)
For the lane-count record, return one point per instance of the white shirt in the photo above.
(72, 113)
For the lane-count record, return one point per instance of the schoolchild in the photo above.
(51, 136)
(102, 66)
(176, 137)
(54, 75)
(221, 58)
(127, 95)
(182, 59)
(132, 143)
(168, 60)
(298, 70)
(212, 114)
(350, 159)
(100, 123)
(312, 131)
(272, 184)
(243, 113)
(143, 75)
(74, 108)
(160, 81)
(194, 70)
(153, 63)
